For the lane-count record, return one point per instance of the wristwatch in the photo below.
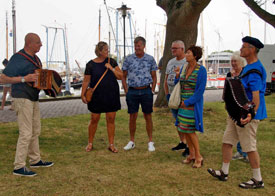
(22, 79)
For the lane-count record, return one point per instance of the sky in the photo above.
(224, 24)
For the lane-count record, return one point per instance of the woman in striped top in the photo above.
(193, 82)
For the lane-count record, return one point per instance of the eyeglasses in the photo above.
(246, 47)
(175, 48)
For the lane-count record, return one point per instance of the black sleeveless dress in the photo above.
(106, 97)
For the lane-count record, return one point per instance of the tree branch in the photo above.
(163, 4)
(266, 16)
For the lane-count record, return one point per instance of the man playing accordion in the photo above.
(18, 72)
(254, 85)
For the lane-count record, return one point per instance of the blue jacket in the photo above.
(197, 98)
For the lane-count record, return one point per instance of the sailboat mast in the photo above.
(14, 26)
(202, 40)
(265, 25)
(68, 71)
(7, 37)
(99, 25)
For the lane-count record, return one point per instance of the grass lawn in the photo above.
(135, 172)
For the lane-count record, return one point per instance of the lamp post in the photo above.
(124, 9)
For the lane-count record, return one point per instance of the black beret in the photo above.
(253, 41)
(5, 62)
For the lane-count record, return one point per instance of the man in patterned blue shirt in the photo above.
(140, 71)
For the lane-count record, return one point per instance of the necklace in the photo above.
(189, 70)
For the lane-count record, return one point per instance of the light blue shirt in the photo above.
(139, 70)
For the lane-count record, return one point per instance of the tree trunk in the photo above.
(264, 15)
(182, 24)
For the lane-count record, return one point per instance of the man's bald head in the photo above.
(31, 37)
(32, 43)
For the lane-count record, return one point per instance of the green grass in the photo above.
(136, 172)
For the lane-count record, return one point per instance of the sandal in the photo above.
(112, 148)
(255, 185)
(221, 177)
(198, 164)
(89, 147)
(188, 160)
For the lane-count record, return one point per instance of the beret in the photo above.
(253, 41)
(5, 62)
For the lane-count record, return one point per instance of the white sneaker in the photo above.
(129, 146)
(151, 147)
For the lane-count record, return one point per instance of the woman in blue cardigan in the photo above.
(193, 81)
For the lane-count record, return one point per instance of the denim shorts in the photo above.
(136, 97)
(175, 115)
(174, 111)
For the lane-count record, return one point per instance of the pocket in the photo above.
(18, 104)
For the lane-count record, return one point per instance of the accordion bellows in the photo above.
(236, 102)
(49, 81)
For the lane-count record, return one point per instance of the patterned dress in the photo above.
(186, 116)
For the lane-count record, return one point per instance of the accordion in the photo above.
(49, 81)
(236, 102)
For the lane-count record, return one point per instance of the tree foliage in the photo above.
(255, 6)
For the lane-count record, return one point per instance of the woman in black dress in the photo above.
(106, 97)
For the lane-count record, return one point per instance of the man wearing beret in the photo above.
(255, 85)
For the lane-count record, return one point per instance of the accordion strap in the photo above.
(37, 63)
(252, 71)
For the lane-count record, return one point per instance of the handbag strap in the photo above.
(101, 76)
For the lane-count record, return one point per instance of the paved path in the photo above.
(72, 107)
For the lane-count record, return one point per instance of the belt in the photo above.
(140, 88)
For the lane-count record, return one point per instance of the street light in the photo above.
(124, 9)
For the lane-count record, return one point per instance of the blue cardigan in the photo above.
(197, 98)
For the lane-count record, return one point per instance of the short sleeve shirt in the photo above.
(172, 64)
(139, 70)
(20, 66)
(96, 70)
(254, 82)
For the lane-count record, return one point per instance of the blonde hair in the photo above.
(236, 56)
(99, 47)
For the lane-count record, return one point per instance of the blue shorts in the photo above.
(144, 97)
(174, 111)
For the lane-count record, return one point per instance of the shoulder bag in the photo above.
(175, 98)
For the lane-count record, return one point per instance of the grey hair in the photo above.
(181, 43)
(139, 38)
(236, 56)
(256, 49)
